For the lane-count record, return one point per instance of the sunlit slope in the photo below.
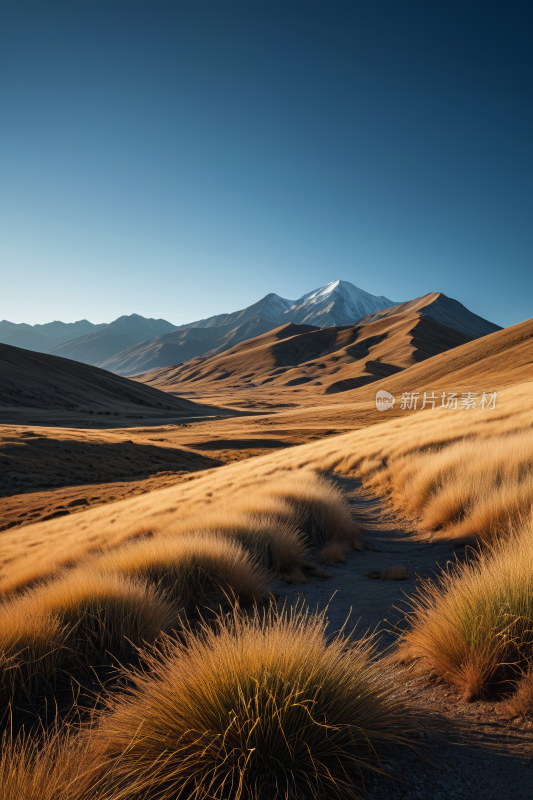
(389, 455)
(500, 359)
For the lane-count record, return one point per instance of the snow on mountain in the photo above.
(336, 303)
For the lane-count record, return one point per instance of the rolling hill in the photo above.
(45, 382)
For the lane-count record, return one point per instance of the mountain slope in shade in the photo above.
(182, 346)
(43, 337)
(47, 382)
(120, 334)
(337, 303)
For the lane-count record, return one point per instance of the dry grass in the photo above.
(104, 613)
(67, 624)
(520, 704)
(334, 553)
(457, 474)
(315, 505)
(397, 573)
(51, 767)
(191, 569)
(300, 499)
(277, 544)
(474, 629)
(261, 708)
(32, 648)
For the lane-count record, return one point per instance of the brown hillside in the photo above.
(35, 385)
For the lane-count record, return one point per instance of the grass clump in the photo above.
(520, 703)
(53, 766)
(32, 649)
(105, 612)
(313, 504)
(81, 619)
(276, 544)
(262, 707)
(191, 569)
(474, 628)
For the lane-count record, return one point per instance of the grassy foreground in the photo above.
(261, 706)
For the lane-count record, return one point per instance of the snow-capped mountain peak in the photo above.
(336, 303)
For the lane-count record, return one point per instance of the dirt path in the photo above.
(467, 751)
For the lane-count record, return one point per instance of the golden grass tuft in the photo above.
(397, 573)
(54, 766)
(277, 544)
(191, 569)
(104, 612)
(316, 506)
(262, 707)
(520, 704)
(474, 628)
(81, 619)
(32, 648)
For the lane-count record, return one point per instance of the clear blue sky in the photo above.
(180, 159)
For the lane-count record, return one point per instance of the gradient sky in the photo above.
(181, 159)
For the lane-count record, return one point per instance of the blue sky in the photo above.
(181, 159)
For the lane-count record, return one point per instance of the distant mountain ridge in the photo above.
(41, 338)
(120, 334)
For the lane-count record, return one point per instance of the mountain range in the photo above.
(120, 334)
(328, 360)
(132, 345)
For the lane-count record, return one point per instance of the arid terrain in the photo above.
(266, 471)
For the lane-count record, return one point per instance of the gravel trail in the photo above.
(461, 750)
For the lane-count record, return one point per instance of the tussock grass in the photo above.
(334, 553)
(316, 506)
(191, 569)
(520, 704)
(32, 648)
(474, 628)
(275, 543)
(104, 612)
(300, 500)
(263, 707)
(397, 573)
(81, 619)
(54, 766)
